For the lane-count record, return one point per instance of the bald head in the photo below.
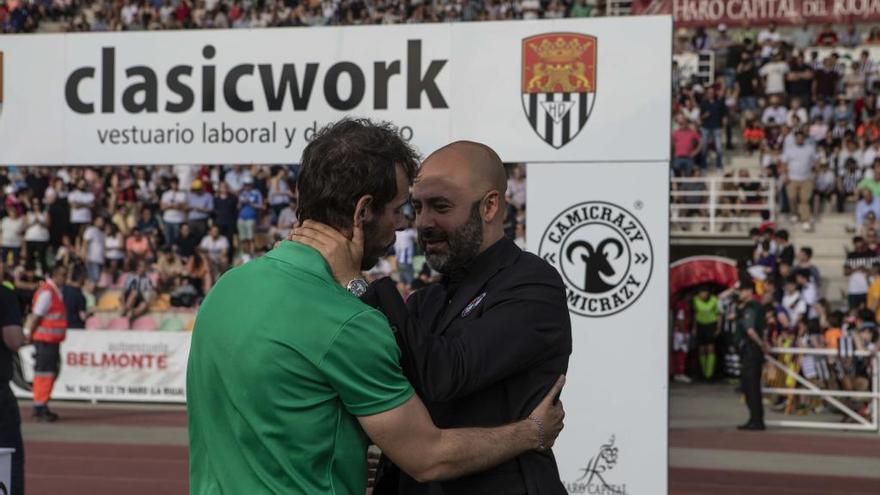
(466, 164)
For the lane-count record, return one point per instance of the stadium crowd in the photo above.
(150, 239)
(17, 16)
(804, 103)
(788, 286)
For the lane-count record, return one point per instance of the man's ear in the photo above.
(362, 211)
(491, 206)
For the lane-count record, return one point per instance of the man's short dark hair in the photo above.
(782, 234)
(349, 159)
(807, 251)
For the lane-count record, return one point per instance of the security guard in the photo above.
(47, 326)
(484, 345)
(10, 422)
(752, 347)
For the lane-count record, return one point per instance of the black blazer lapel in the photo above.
(485, 267)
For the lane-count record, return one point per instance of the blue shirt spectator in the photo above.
(249, 201)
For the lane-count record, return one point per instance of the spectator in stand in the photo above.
(280, 193)
(75, 301)
(848, 183)
(92, 249)
(114, 251)
(147, 224)
(686, 144)
(81, 203)
(784, 247)
(774, 74)
(826, 188)
(775, 112)
(12, 230)
(404, 252)
(799, 159)
(713, 115)
(867, 203)
(753, 136)
(138, 293)
(825, 81)
(250, 204)
(797, 115)
(216, 248)
(286, 220)
(187, 243)
(747, 85)
(235, 178)
(799, 81)
(822, 110)
(516, 187)
(173, 205)
(803, 38)
(805, 262)
(854, 84)
(198, 273)
(200, 205)
(226, 212)
(871, 181)
(851, 38)
(858, 264)
(168, 268)
(138, 247)
(827, 37)
(36, 236)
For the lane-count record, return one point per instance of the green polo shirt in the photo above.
(283, 359)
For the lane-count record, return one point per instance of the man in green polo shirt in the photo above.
(290, 373)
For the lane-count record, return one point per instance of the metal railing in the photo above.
(710, 213)
(860, 423)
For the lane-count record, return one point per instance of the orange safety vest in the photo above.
(52, 327)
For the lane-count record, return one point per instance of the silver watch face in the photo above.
(357, 287)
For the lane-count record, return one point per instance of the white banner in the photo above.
(566, 90)
(131, 366)
(605, 228)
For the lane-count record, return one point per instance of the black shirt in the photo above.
(800, 86)
(186, 246)
(225, 210)
(75, 302)
(747, 81)
(10, 314)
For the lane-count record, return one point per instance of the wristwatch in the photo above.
(357, 287)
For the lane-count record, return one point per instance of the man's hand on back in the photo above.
(342, 254)
(548, 416)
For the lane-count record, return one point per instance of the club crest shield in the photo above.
(558, 84)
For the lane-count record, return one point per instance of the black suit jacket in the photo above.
(485, 356)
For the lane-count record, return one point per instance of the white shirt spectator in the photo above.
(774, 72)
(800, 113)
(94, 239)
(12, 232)
(870, 154)
(36, 230)
(114, 248)
(858, 282)
(800, 161)
(405, 245)
(516, 192)
(768, 35)
(794, 305)
(845, 154)
(174, 215)
(778, 114)
(215, 248)
(81, 214)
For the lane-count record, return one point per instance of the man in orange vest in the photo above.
(47, 327)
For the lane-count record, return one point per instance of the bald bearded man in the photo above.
(484, 345)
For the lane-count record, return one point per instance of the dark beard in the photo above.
(463, 243)
(372, 252)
